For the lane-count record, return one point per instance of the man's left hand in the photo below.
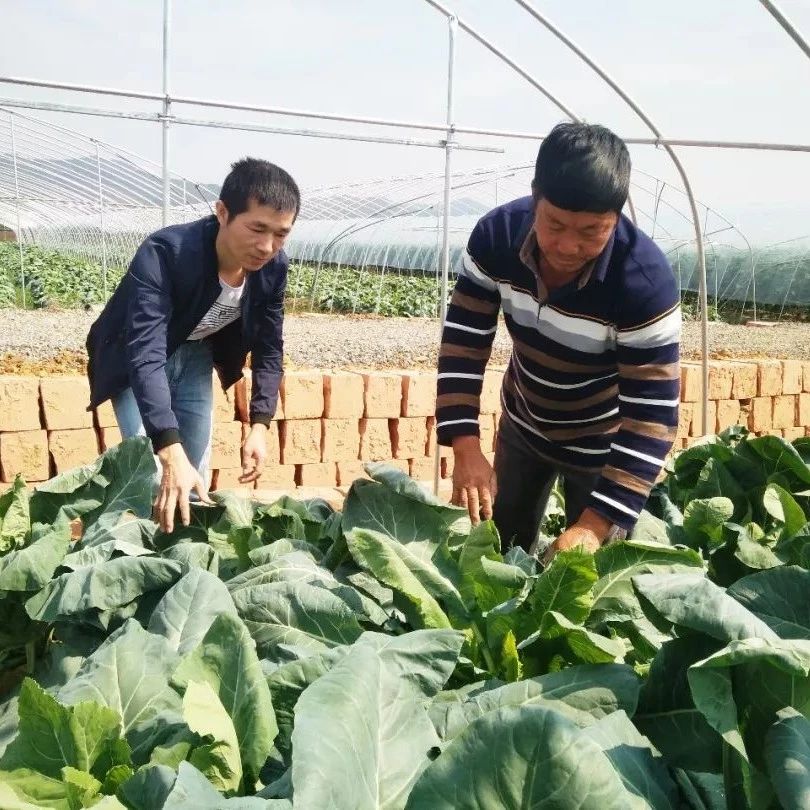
(254, 454)
(589, 532)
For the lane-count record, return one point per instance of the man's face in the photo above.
(570, 239)
(256, 235)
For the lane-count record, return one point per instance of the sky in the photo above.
(710, 69)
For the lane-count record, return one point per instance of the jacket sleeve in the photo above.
(469, 330)
(647, 350)
(267, 355)
(148, 313)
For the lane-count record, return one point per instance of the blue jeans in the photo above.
(189, 372)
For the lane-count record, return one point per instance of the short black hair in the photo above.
(582, 167)
(262, 181)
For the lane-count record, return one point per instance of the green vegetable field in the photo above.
(388, 656)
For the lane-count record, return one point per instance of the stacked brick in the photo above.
(329, 423)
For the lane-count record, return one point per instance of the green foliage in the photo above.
(390, 656)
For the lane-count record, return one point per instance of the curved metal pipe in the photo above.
(791, 29)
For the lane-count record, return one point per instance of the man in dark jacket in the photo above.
(199, 297)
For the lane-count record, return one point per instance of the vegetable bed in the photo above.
(389, 656)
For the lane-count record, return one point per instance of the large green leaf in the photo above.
(299, 566)
(667, 713)
(26, 789)
(129, 468)
(565, 588)
(585, 693)
(692, 601)
(105, 586)
(362, 733)
(779, 597)
(753, 678)
(75, 492)
(614, 599)
(226, 660)
(295, 613)
(101, 552)
(218, 758)
(703, 521)
(396, 506)
(415, 577)
(15, 517)
(129, 673)
(288, 681)
(30, 568)
(642, 770)
(787, 749)
(85, 736)
(784, 509)
(189, 608)
(519, 757)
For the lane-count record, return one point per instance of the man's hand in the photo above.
(179, 480)
(589, 532)
(254, 453)
(474, 484)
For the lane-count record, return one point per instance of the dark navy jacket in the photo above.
(170, 284)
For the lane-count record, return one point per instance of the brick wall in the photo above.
(329, 423)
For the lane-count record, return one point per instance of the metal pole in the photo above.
(166, 112)
(791, 29)
(17, 206)
(101, 223)
(448, 177)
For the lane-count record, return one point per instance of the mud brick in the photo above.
(226, 446)
(108, 437)
(761, 417)
(728, 414)
(770, 378)
(228, 481)
(791, 434)
(685, 413)
(341, 439)
(301, 441)
(792, 374)
(105, 415)
(803, 414)
(491, 391)
(277, 476)
(744, 385)
(690, 383)
(64, 402)
(444, 450)
(26, 453)
(349, 471)
(806, 377)
(408, 436)
(343, 393)
(784, 411)
(224, 402)
(448, 464)
(375, 440)
(19, 403)
(72, 448)
(318, 475)
(421, 469)
(302, 394)
(697, 415)
(721, 377)
(418, 393)
(383, 395)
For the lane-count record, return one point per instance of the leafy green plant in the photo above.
(392, 656)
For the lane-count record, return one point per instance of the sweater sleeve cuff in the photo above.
(164, 438)
(447, 431)
(261, 419)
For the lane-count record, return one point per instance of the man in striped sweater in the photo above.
(592, 388)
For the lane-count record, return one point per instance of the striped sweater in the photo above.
(593, 381)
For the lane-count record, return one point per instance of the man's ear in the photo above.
(221, 212)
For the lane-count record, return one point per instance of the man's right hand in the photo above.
(474, 484)
(179, 480)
